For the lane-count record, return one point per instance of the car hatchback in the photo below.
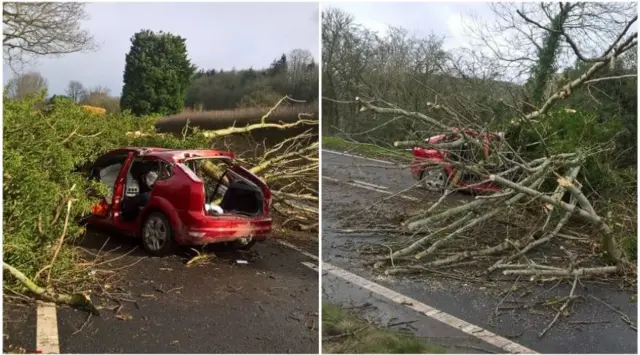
(181, 197)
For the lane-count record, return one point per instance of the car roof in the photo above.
(173, 154)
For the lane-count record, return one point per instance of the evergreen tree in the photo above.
(157, 74)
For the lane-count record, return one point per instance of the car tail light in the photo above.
(100, 209)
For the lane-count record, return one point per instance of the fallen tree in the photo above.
(521, 179)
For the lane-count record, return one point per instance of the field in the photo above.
(213, 120)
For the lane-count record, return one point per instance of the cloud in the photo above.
(379, 27)
(218, 35)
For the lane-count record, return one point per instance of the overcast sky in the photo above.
(442, 18)
(218, 36)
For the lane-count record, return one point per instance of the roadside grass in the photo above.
(364, 149)
(344, 333)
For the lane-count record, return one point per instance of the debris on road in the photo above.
(124, 317)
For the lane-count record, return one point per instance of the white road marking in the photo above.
(47, 340)
(369, 184)
(505, 344)
(311, 266)
(371, 188)
(289, 245)
(358, 185)
(358, 156)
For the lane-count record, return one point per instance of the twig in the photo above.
(347, 334)
(166, 292)
(83, 324)
(562, 308)
(496, 312)
(400, 323)
(61, 240)
(623, 316)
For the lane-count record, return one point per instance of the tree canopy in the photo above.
(157, 74)
(34, 29)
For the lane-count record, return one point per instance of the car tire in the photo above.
(434, 180)
(238, 245)
(157, 234)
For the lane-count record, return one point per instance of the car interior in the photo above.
(138, 186)
(226, 188)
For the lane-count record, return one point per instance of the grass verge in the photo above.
(345, 333)
(364, 149)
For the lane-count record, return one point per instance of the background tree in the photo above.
(99, 96)
(33, 29)
(76, 91)
(157, 74)
(534, 41)
(302, 74)
(23, 85)
(295, 74)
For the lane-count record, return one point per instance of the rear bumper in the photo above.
(209, 230)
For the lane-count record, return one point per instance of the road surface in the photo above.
(269, 305)
(351, 183)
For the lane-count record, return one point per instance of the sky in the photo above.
(218, 36)
(441, 18)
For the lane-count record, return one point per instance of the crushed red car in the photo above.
(434, 166)
(181, 197)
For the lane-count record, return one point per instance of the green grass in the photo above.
(364, 149)
(344, 333)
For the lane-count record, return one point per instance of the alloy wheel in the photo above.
(434, 180)
(155, 233)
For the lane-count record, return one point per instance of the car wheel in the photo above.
(243, 245)
(434, 180)
(157, 236)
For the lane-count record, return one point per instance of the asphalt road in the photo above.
(269, 305)
(591, 327)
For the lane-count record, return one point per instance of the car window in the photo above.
(164, 170)
(161, 168)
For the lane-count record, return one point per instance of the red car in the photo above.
(181, 197)
(433, 166)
